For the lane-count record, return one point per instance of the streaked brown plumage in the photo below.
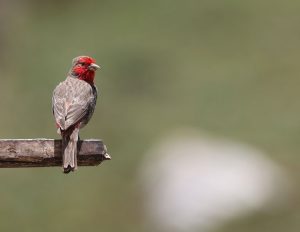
(73, 104)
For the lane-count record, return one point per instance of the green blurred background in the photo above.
(227, 67)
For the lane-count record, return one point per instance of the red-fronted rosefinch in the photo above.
(73, 104)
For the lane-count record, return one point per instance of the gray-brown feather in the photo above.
(73, 101)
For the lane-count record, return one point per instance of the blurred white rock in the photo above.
(192, 182)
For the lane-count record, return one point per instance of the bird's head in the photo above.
(83, 68)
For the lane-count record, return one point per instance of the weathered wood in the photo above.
(48, 152)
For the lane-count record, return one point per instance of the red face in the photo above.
(84, 68)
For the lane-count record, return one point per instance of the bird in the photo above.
(73, 104)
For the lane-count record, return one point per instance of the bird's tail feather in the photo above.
(69, 143)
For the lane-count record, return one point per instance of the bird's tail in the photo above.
(69, 149)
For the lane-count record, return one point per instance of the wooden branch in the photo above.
(47, 152)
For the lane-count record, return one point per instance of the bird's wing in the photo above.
(58, 104)
(71, 102)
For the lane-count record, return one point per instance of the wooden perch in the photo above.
(47, 152)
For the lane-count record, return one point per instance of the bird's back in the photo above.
(73, 101)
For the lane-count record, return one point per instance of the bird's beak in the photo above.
(94, 67)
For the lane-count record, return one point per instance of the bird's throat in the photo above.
(88, 77)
